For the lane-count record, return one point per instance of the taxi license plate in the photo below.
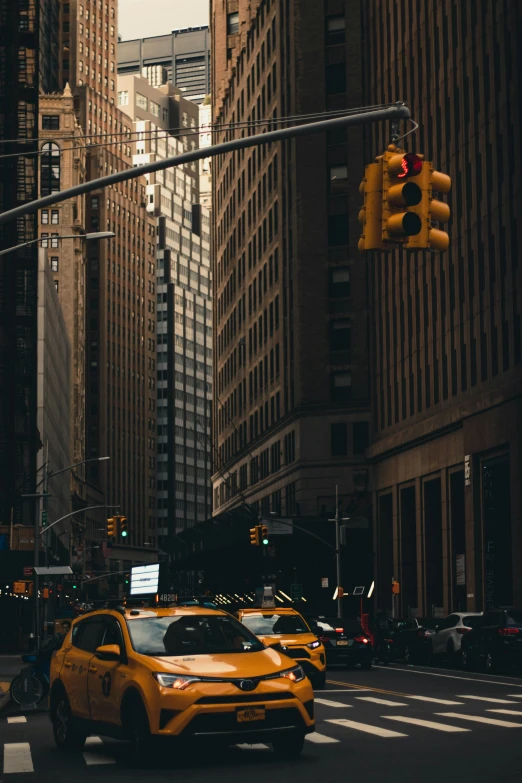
(343, 643)
(250, 714)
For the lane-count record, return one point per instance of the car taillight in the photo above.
(339, 630)
(361, 639)
(508, 631)
(462, 630)
(389, 641)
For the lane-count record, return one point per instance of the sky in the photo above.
(143, 18)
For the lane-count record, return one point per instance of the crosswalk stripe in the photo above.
(515, 695)
(256, 746)
(329, 703)
(367, 728)
(96, 758)
(381, 701)
(477, 719)
(320, 739)
(17, 757)
(427, 724)
(487, 698)
(507, 712)
(434, 701)
(349, 691)
(17, 719)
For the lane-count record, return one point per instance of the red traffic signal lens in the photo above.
(411, 165)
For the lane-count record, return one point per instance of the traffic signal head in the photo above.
(370, 214)
(401, 191)
(111, 527)
(431, 210)
(254, 535)
(123, 527)
(264, 535)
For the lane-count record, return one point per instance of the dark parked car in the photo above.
(495, 642)
(344, 640)
(412, 639)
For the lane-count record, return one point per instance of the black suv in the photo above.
(495, 642)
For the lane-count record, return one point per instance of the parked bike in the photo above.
(40, 666)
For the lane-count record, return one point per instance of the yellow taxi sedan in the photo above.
(286, 630)
(187, 673)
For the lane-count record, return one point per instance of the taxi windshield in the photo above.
(191, 635)
(273, 624)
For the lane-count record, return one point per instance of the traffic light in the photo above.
(431, 210)
(255, 533)
(264, 535)
(401, 193)
(370, 214)
(111, 527)
(123, 526)
(127, 579)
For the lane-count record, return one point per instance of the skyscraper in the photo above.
(446, 328)
(291, 392)
(184, 307)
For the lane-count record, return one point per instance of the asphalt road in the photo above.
(390, 724)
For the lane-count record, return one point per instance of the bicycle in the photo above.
(40, 663)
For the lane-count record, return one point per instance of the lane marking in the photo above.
(381, 701)
(17, 719)
(96, 758)
(258, 746)
(448, 676)
(434, 700)
(329, 703)
(365, 727)
(344, 690)
(353, 688)
(515, 695)
(17, 757)
(320, 739)
(476, 719)
(507, 712)
(428, 724)
(486, 698)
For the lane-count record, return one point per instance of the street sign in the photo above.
(28, 570)
(461, 570)
(53, 570)
(277, 527)
(324, 581)
(358, 590)
(296, 591)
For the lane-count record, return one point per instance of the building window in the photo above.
(154, 108)
(45, 215)
(341, 386)
(54, 263)
(142, 102)
(55, 240)
(51, 122)
(339, 439)
(50, 169)
(338, 230)
(335, 27)
(340, 335)
(56, 285)
(336, 79)
(233, 23)
(361, 437)
(44, 240)
(338, 177)
(340, 282)
(94, 202)
(55, 217)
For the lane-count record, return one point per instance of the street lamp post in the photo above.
(37, 497)
(89, 236)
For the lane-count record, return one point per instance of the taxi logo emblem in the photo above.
(247, 685)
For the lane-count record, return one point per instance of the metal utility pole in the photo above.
(338, 552)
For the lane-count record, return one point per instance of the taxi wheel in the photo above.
(289, 747)
(139, 734)
(66, 735)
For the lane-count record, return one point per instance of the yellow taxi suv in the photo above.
(287, 631)
(177, 672)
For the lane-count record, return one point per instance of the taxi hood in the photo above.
(288, 640)
(246, 664)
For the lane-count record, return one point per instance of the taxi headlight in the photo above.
(176, 681)
(314, 645)
(296, 674)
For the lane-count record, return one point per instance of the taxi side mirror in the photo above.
(108, 652)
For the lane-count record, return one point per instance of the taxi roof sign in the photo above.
(264, 598)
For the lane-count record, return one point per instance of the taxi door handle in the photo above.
(93, 669)
(67, 664)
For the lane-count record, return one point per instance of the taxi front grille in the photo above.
(227, 723)
(296, 652)
(258, 697)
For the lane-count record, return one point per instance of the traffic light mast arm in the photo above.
(301, 530)
(72, 514)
